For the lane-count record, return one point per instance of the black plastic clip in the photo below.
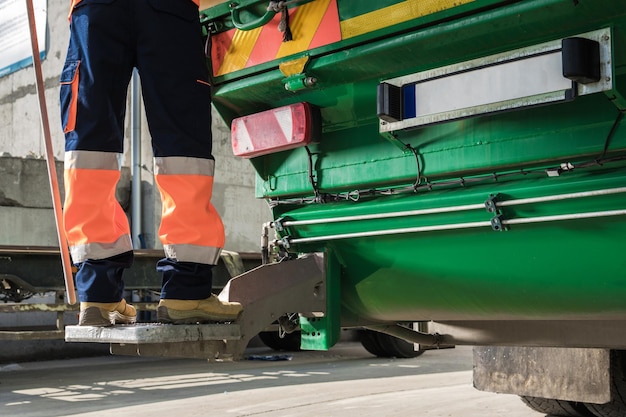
(278, 224)
(491, 203)
(286, 242)
(496, 223)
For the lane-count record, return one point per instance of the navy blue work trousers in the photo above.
(163, 40)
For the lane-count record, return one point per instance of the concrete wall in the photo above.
(26, 217)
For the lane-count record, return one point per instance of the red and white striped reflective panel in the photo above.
(272, 131)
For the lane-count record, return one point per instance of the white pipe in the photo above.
(456, 208)
(385, 215)
(573, 216)
(540, 219)
(558, 197)
(135, 154)
(392, 232)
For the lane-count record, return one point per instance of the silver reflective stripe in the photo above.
(81, 253)
(92, 160)
(193, 253)
(183, 165)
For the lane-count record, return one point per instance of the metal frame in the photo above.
(38, 270)
(475, 66)
(266, 293)
(533, 333)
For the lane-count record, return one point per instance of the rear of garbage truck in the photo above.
(460, 164)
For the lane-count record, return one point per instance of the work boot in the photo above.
(106, 314)
(211, 309)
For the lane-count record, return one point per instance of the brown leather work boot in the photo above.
(106, 314)
(211, 309)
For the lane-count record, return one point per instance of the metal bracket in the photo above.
(393, 138)
(496, 223)
(491, 203)
(286, 242)
(278, 224)
(298, 82)
(211, 27)
(266, 293)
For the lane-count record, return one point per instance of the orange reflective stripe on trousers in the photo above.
(95, 223)
(191, 229)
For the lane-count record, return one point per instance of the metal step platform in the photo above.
(208, 341)
(266, 293)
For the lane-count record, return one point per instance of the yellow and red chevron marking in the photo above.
(313, 25)
(394, 14)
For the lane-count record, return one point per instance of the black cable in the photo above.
(418, 180)
(430, 185)
(607, 141)
(311, 178)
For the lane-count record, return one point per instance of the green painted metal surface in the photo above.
(574, 268)
(548, 270)
(321, 333)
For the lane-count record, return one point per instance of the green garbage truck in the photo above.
(456, 171)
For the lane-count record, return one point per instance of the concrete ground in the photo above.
(345, 381)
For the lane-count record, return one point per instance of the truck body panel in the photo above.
(407, 212)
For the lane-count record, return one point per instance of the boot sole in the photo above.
(93, 316)
(166, 315)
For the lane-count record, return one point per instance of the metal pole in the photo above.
(558, 197)
(52, 175)
(454, 226)
(388, 232)
(135, 196)
(438, 210)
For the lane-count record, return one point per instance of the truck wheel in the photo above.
(617, 406)
(386, 346)
(557, 407)
(290, 343)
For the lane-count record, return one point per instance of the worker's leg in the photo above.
(177, 97)
(93, 96)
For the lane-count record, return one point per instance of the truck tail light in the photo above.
(275, 130)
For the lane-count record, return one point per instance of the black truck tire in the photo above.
(290, 342)
(386, 346)
(556, 408)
